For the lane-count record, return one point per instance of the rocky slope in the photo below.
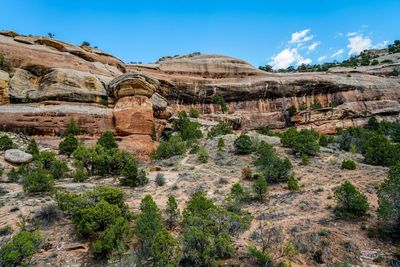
(53, 81)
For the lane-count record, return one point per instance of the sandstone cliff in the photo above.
(52, 81)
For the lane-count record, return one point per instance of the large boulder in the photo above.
(133, 84)
(133, 115)
(17, 156)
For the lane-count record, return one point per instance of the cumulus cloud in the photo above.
(288, 57)
(321, 58)
(381, 45)
(358, 43)
(338, 53)
(313, 46)
(301, 37)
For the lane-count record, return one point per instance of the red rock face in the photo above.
(53, 117)
(133, 116)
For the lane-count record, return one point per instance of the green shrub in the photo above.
(80, 174)
(305, 160)
(260, 188)
(45, 159)
(379, 151)
(6, 143)
(389, 199)
(270, 166)
(20, 249)
(38, 180)
(374, 62)
(303, 106)
(348, 164)
(100, 161)
(351, 203)
(188, 130)
(172, 212)
(220, 129)
(148, 224)
(130, 173)
(293, 184)
(68, 145)
(243, 144)
(58, 169)
(236, 198)
(316, 104)
(219, 100)
(292, 110)
(33, 148)
(160, 179)
(221, 144)
(263, 258)
(72, 128)
(194, 112)
(325, 140)
(113, 240)
(304, 141)
(107, 140)
(173, 147)
(100, 215)
(207, 231)
(165, 249)
(203, 155)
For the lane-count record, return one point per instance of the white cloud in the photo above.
(358, 43)
(338, 53)
(313, 46)
(301, 37)
(287, 57)
(321, 58)
(352, 34)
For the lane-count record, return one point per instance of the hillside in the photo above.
(195, 160)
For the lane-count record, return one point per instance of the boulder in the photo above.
(133, 115)
(133, 84)
(17, 156)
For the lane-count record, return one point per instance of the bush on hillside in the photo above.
(68, 145)
(304, 141)
(188, 130)
(348, 164)
(270, 166)
(194, 112)
(6, 143)
(351, 203)
(244, 144)
(173, 147)
(107, 140)
(72, 128)
(19, 250)
(203, 155)
(33, 148)
(389, 199)
(221, 129)
(37, 181)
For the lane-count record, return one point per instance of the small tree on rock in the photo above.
(107, 140)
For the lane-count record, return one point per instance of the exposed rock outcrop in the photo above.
(17, 156)
(137, 100)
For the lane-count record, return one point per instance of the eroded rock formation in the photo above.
(52, 81)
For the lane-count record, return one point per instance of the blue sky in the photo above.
(281, 32)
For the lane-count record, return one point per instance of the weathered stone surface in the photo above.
(25, 52)
(132, 84)
(17, 156)
(4, 80)
(139, 145)
(52, 117)
(56, 84)
(133, 115)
